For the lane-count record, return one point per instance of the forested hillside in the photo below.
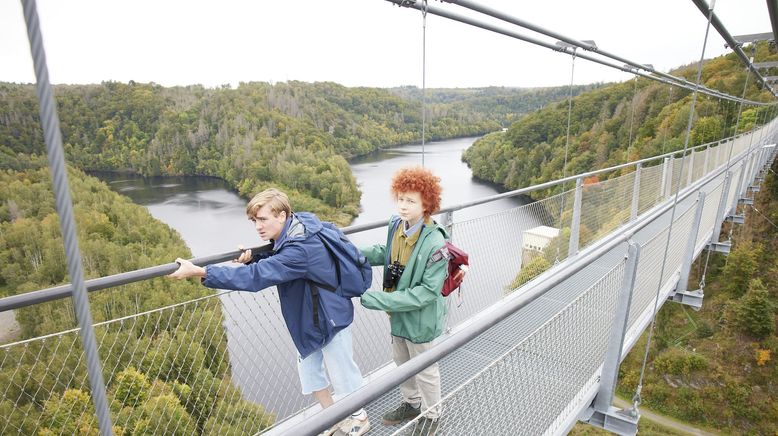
(616, 124)
(719, 367)
(185, 385)
(295, 135)
(505, 105)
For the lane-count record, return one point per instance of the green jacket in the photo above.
(417, 309)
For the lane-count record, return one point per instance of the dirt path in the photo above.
(663, 420)
(9, 328)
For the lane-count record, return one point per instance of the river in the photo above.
(211, 219)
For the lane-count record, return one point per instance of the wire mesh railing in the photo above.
(708, 219)
(167, 371)
(699, 167)
(605, 206)
(225, 364)
(650, 190)
(526, 389)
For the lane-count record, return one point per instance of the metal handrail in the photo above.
(491, 316)
(64, 291)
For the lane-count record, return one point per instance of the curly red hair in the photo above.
(421, 180)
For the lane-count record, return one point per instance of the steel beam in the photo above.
(610, 369)
(691, 243)
(720, 214)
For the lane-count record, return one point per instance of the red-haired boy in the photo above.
(411, 295)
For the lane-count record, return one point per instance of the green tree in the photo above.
(755, 312)
(741, 265)
(164, 415)
(528, 272)
(72, 413)
(131, 387)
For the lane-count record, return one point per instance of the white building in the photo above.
(538, 237)
(535, 240)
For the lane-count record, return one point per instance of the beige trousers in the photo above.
(423, 388)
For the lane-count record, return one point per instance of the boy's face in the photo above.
(410, 207)
(268, 225)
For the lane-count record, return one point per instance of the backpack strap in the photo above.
(315, 302)
(439, 254)
(334, 261)
(442, 252)
(314, 285)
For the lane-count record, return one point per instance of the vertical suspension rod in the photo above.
(59, 178)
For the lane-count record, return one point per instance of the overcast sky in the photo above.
(353, 42)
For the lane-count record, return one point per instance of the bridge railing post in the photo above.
(575, 228)
(690, 172)
(602, 414)
(715, 243)
(705, 169)
(732, 208)
(760, 166)
(681, 295)
(636, 193)
(750, 162)
(447, 221)
(665, 184)
(755, 162)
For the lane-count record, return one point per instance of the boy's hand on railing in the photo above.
(245, 256)
(187, 269)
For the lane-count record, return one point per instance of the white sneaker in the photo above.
(332, 430)
(354, 427)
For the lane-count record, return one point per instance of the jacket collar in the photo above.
(293, 229)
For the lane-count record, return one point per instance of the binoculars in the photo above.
(392, 275)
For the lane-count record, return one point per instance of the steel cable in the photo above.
(64, 204)
(636, 397)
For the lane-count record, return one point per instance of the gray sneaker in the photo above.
(426, 427)
(332, 430)
(400, 414)
(354, 427)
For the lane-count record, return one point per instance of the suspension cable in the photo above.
(423, 77)
(731, 147)
(764, 216)
(664, 133)
(704, 271)
(704, 138)
(639, 387)
(701, 282)
(632, 116)
(569, 112)
(567, 145)
(737, 119)
(64, 205)
(750, 144)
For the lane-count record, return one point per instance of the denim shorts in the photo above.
(338, 356)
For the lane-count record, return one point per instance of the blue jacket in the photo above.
(298, 257)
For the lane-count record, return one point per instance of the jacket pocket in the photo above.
(335, 311)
